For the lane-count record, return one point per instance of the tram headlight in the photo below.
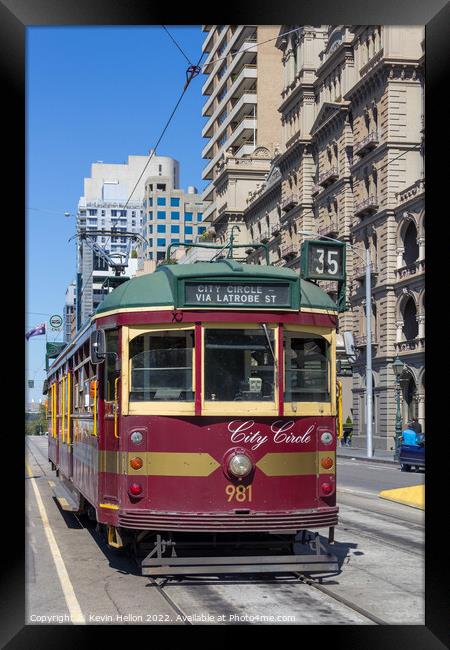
(136, 437)
(240, 465)
(326, 438)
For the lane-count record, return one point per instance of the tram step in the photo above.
(242, 564)
(66, 499)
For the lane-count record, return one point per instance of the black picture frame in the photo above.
(15, 17)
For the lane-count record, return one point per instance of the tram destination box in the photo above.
(248, 294)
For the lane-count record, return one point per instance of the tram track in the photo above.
(363, 532)
(340, 599)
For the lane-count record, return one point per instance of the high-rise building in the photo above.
(242, 91)
(107, 191)
(170, 215)
(351, 167)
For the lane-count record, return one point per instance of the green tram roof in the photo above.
(164, 287)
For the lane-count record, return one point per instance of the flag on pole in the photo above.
(36, 331)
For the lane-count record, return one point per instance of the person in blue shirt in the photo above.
(409, 437)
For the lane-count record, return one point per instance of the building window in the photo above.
(150, 229)
(222, 117)
(201, 230)
(174, 201)
(188, 230)
(188, 216)
(161, 241)
(175, 229)
(161, 228)
(92, 212)
(161, 186)
(161, 215)
(199, 216)
(175, 241)
(150, 201)
(175, 215)
(222, 139)
(150, 216)
(114, 213)
(160, 255)
(222, 71)
(161, 200)
(222, 93)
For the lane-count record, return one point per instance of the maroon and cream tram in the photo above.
(199, 403)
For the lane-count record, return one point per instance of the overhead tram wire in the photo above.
(191, 72)
(177, 45)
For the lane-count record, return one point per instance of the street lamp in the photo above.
(368, 265)
(397, 367)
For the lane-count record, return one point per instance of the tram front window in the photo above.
(161, 366)
(306, 362)
(238, 365)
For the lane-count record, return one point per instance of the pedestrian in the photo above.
(409, 436)
(416, 426)
(349, 437)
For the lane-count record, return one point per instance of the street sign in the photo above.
(323, 260)
(55, 322)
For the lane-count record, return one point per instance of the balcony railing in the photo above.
(289, 202)
(331, 229)
(275, 230)
(366, 144)
(316, 189)
(289, 251)
(413, 345)
(368, 206)
(329, 176)
(360, 271)
(361, 340)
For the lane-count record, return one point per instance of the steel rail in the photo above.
(356, 608)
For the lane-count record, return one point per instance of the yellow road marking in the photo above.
(413, 496)
(69, 594)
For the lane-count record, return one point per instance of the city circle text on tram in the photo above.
(246, 432)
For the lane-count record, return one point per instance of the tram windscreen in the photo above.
(306, 368)
(161, 366)
(238, 365)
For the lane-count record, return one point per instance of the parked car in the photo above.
(413, 455)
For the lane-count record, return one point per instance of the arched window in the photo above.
(411, 247)
(410, 326)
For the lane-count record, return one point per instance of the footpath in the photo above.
(379, 455)
(413, 496)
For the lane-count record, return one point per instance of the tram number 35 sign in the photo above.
(323, 260)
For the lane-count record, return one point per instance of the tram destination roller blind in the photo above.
(246, 294)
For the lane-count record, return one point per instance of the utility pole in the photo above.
(369, 355)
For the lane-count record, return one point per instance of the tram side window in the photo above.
(161, 366)
(306, 368)
(111, 374)
(238, 365)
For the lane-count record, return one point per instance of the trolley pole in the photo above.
(368, 355)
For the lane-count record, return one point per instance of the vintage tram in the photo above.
(199, 405)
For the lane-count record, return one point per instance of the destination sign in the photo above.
(225, 294)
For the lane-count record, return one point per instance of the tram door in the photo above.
(64, 424)
(110, 385)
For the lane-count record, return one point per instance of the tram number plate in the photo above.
(238, 492)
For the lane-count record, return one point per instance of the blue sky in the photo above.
(95, 93)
